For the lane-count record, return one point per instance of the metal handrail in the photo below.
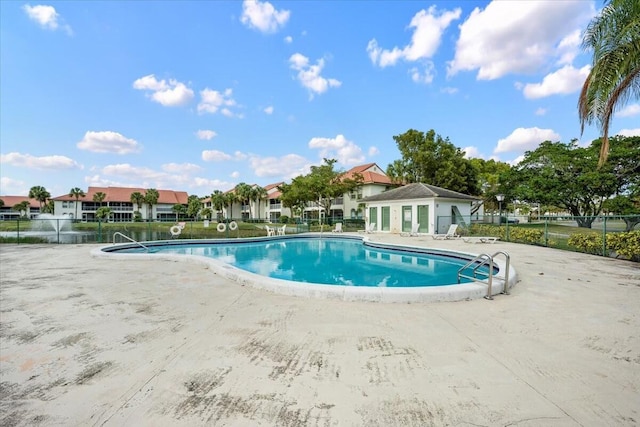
(117, 233)
(484, 259)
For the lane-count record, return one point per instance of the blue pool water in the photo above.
(330, 261)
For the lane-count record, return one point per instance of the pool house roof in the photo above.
(418, 190)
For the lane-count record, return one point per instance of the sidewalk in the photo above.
(89, 341)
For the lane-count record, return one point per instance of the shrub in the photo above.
(590, 243)
(284, 219)
(525, 235)
(625, 244)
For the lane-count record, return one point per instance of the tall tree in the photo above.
(229, 199)
(21, 207)
(321, 186)
(99, 197)
(40, 194)
(179, 210)
(244, 192)
(259, 194)
(103, 212)
(218, 201)
(563, 175)
(151, 197)
(431, 159)
(613, 36)
(194, 204)
(76, 193)
(137, 198)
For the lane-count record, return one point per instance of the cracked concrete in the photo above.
(87, 341)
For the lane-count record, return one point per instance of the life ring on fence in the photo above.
(175, 230)
(233, 225)
(221, 227)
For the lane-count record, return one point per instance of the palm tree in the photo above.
(614, 79)
(76, 193)
(230, 198)
(21, 207)
(218, 200)
(137, 199)
(244, 193)
(40, 194)
(151, 198)
(99, 197)
(259, 194)
(103, 212)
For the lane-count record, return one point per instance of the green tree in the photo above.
(218, 201)
(624, 205)
(76, 193)
(229, 199)
(103, 212)
(194, 205)
(206, 213)
(21, 207)
(244, 192)
(489, 173)
(151, 197)
(40, 194)
(259, 194)
(431, 159)
(321, 186)
(1, 203)
(99, 197)
(613, 37)
(49, 207)
(179, 210)
(137, 199)
(563, 175)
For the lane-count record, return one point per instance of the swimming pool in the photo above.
(345, 267)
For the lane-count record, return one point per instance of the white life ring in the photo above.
(233, 226)
(175, 230)
(221, 227)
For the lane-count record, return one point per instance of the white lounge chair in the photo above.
(338, 228)
(413, 232)
(450, 234)
(271, 231)
(371, 228)
(282, 230)
(480, 239)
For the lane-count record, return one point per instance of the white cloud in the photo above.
(206, 134)
(263, 16)
(423, 76)
(564, 81)
(518, 37)
(288, 166)
(569, 47)
(428, 26)
(181, 168)
(339, 148)
(213, 102)
(170, 94)
(234, 174)
(449, 90)
(523, 139)
(108, 142)
(46, 17)
(44, 162)
(268, 110)
(309, 75)
(629, 132)
(541, 111)
(373, 151)
(472, 152)
(11, 186)
(215, 156)
(629, 111)
(288, 39)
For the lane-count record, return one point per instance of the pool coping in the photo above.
(453, 292)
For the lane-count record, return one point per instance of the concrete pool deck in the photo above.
(86, 341)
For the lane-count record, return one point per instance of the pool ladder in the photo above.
(486, 277)
(117, 233)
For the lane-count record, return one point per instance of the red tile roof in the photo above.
(123, 194)
(11, 201)
(368, 177)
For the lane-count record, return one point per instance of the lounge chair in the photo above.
(281, 230)
(271, 231)
(450, 234)
(413, 232)
(369, 228)
(480, 239)
(338, 228)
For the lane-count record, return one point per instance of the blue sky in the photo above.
(200, 96)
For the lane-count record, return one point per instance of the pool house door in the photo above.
(407, 216)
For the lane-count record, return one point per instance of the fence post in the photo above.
(18, 232)
(99, 231)
(546, 232)
(604, 237)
